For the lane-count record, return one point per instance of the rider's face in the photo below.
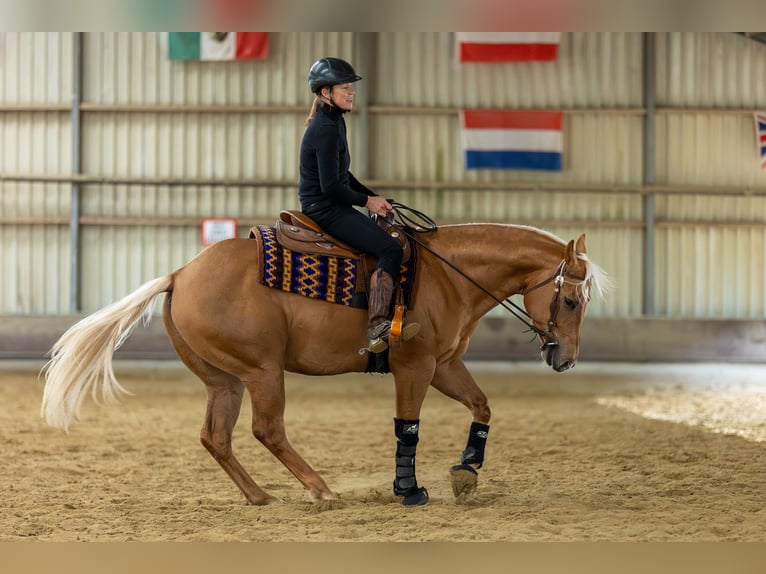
(342, 95)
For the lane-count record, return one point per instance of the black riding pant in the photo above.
(359, 231)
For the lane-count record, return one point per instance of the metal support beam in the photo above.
(74, 211)
(649, 171)
(364, 64)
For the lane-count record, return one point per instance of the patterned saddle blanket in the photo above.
(333, 278)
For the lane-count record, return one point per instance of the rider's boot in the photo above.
(379, 304)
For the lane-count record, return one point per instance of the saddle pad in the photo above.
(324, 277)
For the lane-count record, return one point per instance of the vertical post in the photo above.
(650, 71)
(364, 65)
(74, 210)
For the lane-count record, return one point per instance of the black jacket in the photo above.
(325, 180)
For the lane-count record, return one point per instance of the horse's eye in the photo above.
(571, 303)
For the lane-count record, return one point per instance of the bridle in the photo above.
(548, 337)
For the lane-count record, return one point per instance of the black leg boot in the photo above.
(405, 483)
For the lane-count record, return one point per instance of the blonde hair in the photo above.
(313, 111)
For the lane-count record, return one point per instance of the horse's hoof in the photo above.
(467, 467)
(419, 498)
(464, 479)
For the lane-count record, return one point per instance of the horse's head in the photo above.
(556, 302)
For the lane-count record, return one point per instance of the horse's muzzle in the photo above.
(561, 367)
(550, 351)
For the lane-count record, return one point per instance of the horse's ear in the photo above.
(573, 249)
(570, 256)
(580, 246)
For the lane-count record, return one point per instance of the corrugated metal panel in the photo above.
(712, 269)
(706, 148)
(35, 68)
(597, 149)
(132, 68)
(593, 69)
(34, 257)
(704, 263)
(711, 70)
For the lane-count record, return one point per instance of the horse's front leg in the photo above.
(454, 380)
(411, 385)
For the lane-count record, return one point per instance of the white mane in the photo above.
(596, 279)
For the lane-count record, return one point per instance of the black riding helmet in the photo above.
(329, 72)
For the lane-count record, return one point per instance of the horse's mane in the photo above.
(596, 279)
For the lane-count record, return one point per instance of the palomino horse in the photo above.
(235, 333)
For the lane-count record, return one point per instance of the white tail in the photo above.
(81, 360)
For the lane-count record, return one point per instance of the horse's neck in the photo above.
(500, 258)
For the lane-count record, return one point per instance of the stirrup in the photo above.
(376, 345)
(377, 336)
(379, 331)
(410, 330)
(380, 344)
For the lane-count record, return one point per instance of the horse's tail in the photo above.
(81, 360)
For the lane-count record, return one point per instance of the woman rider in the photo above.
(328, 192)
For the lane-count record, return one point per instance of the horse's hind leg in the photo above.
(224, 399)
(223, 405)
(267, 392)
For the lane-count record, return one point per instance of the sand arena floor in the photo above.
(606, 452)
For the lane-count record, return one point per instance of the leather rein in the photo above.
(410, 227)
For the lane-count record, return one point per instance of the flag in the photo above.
(512, 139)
(220, 46)
(760, 132)
(507, 46)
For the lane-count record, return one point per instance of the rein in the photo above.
(405, 222)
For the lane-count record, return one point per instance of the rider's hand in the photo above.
(379, 205)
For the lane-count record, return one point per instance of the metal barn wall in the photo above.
(597, 80)
(136, 233)
(709, 210)
(34, 239)
(710, 244)
(221, 139)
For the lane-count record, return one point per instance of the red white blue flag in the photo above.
(760, 133)
(507, 46)
(512, 139)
